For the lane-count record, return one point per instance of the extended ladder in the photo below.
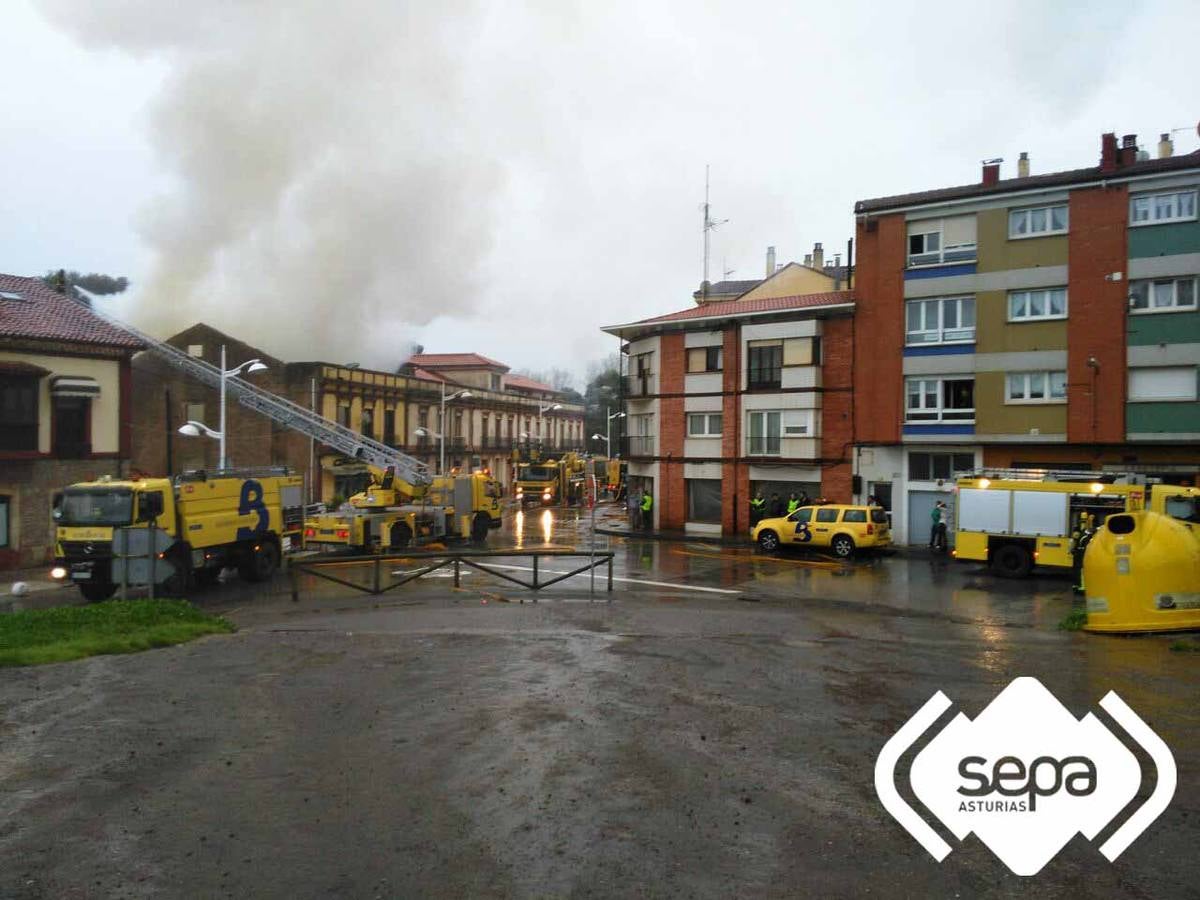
(286, 413)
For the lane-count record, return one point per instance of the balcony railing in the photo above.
(639, 385)
(763, 446)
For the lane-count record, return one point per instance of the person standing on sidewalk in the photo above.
(937, 532)
(793, 503)
(647, 510)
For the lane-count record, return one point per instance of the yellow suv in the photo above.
(842, 528)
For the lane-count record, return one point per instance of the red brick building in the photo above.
(738, 396)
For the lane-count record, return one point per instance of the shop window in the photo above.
(704, 499)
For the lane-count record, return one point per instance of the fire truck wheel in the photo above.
(1011, 561)
(97, 592)
(260, 564)
(401, 536)
(479, 527)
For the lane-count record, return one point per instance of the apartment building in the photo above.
(1040, 321)
(64, 409)
(488, 413)
(733, 396)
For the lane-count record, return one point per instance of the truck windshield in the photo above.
(105, 506)
(536, 473)
(1184, 508)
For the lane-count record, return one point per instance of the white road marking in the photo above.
(600, 576)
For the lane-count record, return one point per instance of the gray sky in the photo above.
(340, 180)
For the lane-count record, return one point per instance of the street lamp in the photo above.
(543, 407)
(457, 395)
(607, 443)
(608, 427)
(195, 429)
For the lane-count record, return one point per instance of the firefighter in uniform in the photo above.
(758, 506)
(647, 506)
(793, 503)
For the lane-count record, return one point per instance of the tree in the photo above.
(601, 398)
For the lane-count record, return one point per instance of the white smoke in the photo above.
(328, 186)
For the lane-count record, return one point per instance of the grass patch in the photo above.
(63, 633)
(1185, 647)
(1074, 621)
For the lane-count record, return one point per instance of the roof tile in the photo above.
(44, 314)
(454, 361)
(741, 307)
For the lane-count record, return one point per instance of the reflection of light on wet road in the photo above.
(547, 526)
(519, 529)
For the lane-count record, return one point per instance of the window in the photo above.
(704, 424)
(18, 412)
(704, 359)
(641, 435)
(423, 417)
(1170, 206)
(1037, 221)
(367, 423)
(763, 434)
(765, 361)
(196, 350)
(854, 515)
(344, 415)
(5, 507)
(804, 514)
(1165, 383)
(802, 351)
(825, 514)
(940, 400)
(938, 241)
(704, 499)
(942, 320)
(495, 382)
(1162, 295)
(389, 426)
(1035, 387)
(798, 423)
(1026, 306)
(71, 418)
(938, 466)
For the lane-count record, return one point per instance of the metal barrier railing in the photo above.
(319, 566)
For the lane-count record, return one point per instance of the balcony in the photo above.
(638, 385)
(639, 445)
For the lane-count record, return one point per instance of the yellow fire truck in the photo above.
(1016, 519)
(392, 514)
(240, 518)
(549, 480)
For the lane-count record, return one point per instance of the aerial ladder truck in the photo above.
(458, 506)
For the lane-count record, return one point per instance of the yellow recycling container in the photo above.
(1141, 572)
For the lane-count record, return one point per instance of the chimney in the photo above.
(991, 171)
(1023, 165)
(770, 261)
(808, 260)
(1128, 154)
(1165, 147)
(1108, 152)
(818, 257)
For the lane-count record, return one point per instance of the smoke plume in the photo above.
(328, 192)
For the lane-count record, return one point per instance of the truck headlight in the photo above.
(545, 495)
(58, 573)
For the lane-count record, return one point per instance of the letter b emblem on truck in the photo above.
(251, 501)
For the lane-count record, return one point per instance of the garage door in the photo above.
(920, 505)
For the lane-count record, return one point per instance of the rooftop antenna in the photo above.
(709, 225)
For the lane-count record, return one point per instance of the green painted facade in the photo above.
(994, 416)
(1163, 240)
(1169, 418)
(997, 253)
(1145, 329)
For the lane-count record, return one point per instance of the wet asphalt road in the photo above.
(659, 741)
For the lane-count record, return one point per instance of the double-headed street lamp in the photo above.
(543, 407)
(195, 429)
(425, 432)
(608, 428)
